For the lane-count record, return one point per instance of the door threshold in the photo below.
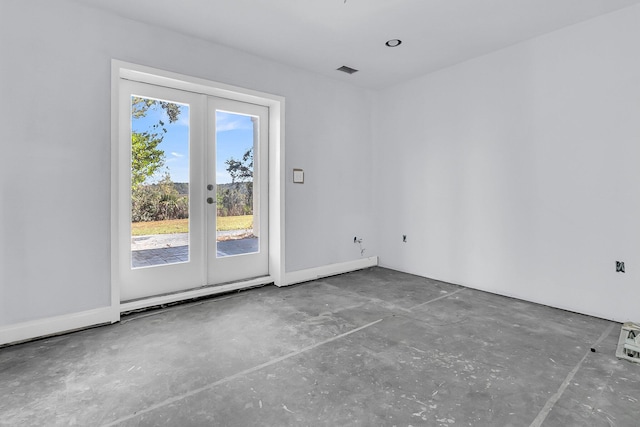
(203, 291)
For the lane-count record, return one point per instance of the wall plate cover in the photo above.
(298, 176)
(629, 343)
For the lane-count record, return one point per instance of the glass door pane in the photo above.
(236, 205)
(159, 182)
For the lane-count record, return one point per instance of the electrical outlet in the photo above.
(619, 266)
(404, 238)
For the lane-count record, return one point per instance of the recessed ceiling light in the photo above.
(393, 43)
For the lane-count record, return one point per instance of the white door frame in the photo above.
(276, 104)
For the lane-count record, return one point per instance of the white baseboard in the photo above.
(25, 331)
(328, 270)
(194, 293)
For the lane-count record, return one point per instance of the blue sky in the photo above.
(234, 138)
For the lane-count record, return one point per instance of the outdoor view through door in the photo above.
(236, 140)
(193, 190)
(238, 175)
(159, 182)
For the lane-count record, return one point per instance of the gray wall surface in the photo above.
(517, 172)
(55, 81)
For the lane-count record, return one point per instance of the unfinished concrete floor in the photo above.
(370, 348)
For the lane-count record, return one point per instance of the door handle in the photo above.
(210, 200)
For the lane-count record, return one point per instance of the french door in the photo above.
(193, 190)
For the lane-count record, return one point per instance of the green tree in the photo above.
(157, 202)
(241, 171)
(140, 106)
(146, 157)
(171, 204)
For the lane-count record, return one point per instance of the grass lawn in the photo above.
(181, 225)
(226, 223)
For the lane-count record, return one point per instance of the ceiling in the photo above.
(322, 35)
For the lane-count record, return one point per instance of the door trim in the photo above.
(276, 105)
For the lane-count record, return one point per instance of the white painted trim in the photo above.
(328, 270)
(194, 293)
(55, 325)
(276, 105)
(187, 83)
(71, 322)
(65, 323)
(277, 192)
(115, 155)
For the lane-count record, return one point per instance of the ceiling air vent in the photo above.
(347, 70)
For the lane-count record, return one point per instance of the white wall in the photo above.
(55, 63)
(515, 172)
(518, 172)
